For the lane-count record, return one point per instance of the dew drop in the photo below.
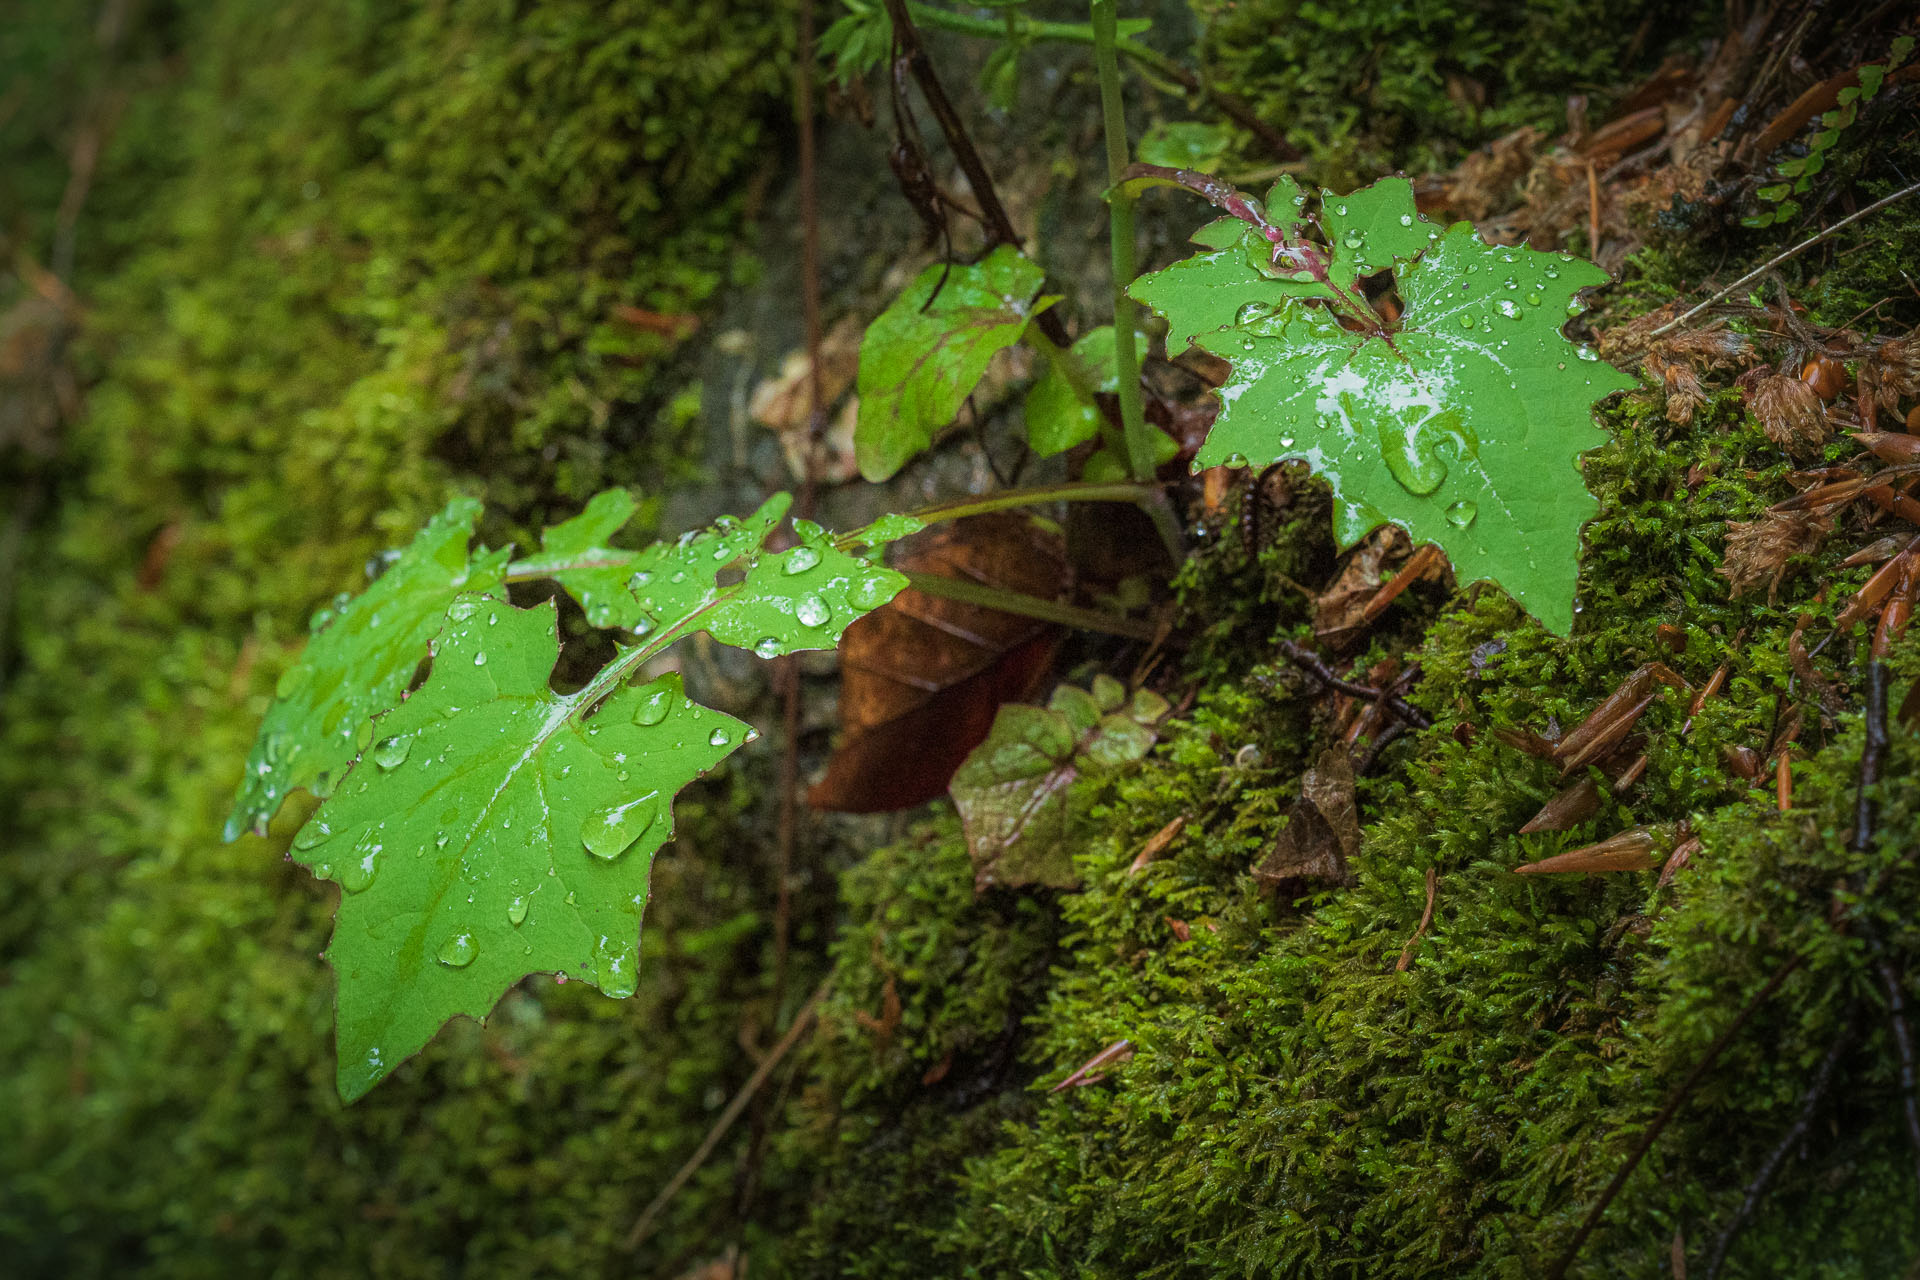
(1341, 210)
(391, 753)
(1353, 240)
(1508, 309)
(768, 647)
(1585, 353)
(317, 623)
(458, 951)
(813, 612)
(313, 835)
(621, 776)
(655, 702)
(440, 841)
(612, 831)
(1406, 219)
(1461, 514)
(572, 900)
(640, 579)
(615, 966)
(1247, 344)
(1552, 274)
(359, 869)
(1252, 311)
(719, 738)
(480, 659)
(1533, 299)
(517, 910)
(493, 619)
(1235, 460)
(800, 559)
(1511, 283)
(1466, 320)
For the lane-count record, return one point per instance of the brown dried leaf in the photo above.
(1788, 411)
(1758, 550)
(1635, 849)
(1609, 722)
(922, 677)
(1339, 611)
(1685, 395)
(1322, 831)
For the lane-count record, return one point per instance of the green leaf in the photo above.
(924, 353)
(575, 554)
(1185, 144)
(1462, 423)
(495, 829)
(360, 660)
(1057, 419)
(1374, 229)
(1014, 792)
(1207, 291)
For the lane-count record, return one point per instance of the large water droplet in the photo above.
(1353, 240)
(391, 753)
(1414, 454)
(612, 831)
(614, 965)
(1508, 309)
(517, 910)
(1466, 320)
(313, 835)
(800, 559)
(1533, 299)
(655, 702)
(1252, 311)
(460, 610)
(719, 738)
(1235, 460)
(1585, 353)
(870, 592)
(480, 659)
(813, 612)
(1406, 219)
(1462, 513)
(768, 647)
(458, 951)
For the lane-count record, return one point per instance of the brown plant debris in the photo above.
(1758, 550)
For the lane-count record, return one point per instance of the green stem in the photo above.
(1027, 606)
(960, 508)
(1126, 358)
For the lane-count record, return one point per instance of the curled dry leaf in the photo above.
(1758, 550)
(922, 677)
(1322, 831)
(1338, 612)
(1684, 393)
(1608, 723)
(1635, 849)
(1890, 372)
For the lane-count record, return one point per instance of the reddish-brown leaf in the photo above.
(1635, 849)
(921, 677)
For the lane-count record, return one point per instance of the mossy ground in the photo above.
(304, 329)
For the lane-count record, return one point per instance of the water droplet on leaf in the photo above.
(719, 738)
(313, 835)
(655, 702)
(391, 753)
(1461, 514)
(813, 612)
(480, 659)
(458, 951)
(517, 910)
(768, 647)
(800, 559)
(611, 832)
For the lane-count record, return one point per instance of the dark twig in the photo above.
(1667, 1112)
(1309, 661)
(1796, 1134)
(999, 226)
(1891, 985)
(1872, 754)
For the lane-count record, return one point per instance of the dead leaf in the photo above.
(1420, 930)
(1157, 844)
(1089, 1072)
(1322, 831)
(1787, 410)
(1339, 611)
(1758, 550)
(1635, 849)
(922, 676)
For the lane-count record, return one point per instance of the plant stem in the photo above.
(961, 508)
(1026, 606)
(1126, 357)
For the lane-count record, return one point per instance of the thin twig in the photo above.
(1420, 931)
(1804, 245)
(1891, 986)
(1026, 606)
(802, 1021)
(1795, 1135)
(1873, 754)
(1667, 1112)
(1309, 661)
(999, 227)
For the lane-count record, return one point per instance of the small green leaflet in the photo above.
(1462, 423)
(1057, 419)
(359, 661)
(493, 828)
(921, 358)
(1014, 791)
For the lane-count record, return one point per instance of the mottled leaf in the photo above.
(924, 353)
(1014, 793)
(362, 656)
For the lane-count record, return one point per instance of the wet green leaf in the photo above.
(925, 353)
(1185, 144)
(1014, 793)
(493, 828)
(358, 663)
(516, 837)
(1462, 423)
